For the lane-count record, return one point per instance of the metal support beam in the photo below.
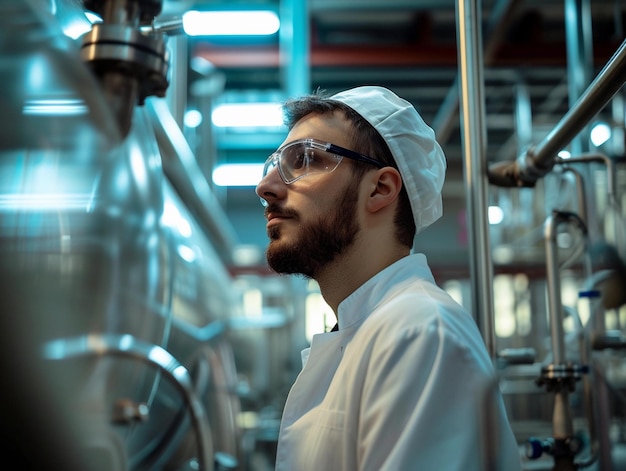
(474, 137)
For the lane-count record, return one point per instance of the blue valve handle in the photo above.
(535, 447)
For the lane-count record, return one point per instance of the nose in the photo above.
(271, 187)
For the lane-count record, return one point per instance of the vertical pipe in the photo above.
(204, 91)
(294, 47)
(562, 426)
(602, 412)
(176, 96)
(474, 137)
(579, 43)
(618, 113)
(554, 290)
(523, 116)
(524, 137)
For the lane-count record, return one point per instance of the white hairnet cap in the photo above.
(419, 156)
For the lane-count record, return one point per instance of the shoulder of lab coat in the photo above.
(426, 401)
(401, 385)
(428, 384)
(428, 388)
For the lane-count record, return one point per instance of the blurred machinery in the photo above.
(122, 335)
(583, 240)
(115, 302)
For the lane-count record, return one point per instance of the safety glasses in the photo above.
(309, 157)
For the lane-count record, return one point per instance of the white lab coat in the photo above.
(402, 385)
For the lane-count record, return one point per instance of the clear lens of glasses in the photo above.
(301, 158)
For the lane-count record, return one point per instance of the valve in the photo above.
(562, 377)
(128, 54)
(126, 411)
(561, 448)
(535, 447)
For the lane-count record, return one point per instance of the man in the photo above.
(404, 381)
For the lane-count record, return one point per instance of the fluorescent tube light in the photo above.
(230, 23)
(238, 174)
(55, 107)
(241, 115)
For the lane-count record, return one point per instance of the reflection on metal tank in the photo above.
(114, 304)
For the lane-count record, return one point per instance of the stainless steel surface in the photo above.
(553, 276)
(473, 137)
(95, 244)
(130, 60)
(562, 375)
(154, 356)
(113, 234)
(182, 170)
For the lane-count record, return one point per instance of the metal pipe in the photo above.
(602, 417)
(176, 96)
(579, 41)
(581, 208)
(600, 158)
(153, 355)
(474, 138)
(130, 65)
(555, 313)
(610, 186)
(182, 170)
(538, 161)
(562, 425)
(523, 115)
(294, 46)
(594, 391)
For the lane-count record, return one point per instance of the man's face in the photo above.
(319, 238)
(313, 220)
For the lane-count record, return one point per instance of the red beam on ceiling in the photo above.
(550, 54)
(325, 56)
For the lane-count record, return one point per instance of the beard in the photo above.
(320, 241)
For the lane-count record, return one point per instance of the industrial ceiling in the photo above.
(538, 55)
(411, 46)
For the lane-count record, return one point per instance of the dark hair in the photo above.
(366, 140)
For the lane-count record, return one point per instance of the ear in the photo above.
(385, 187)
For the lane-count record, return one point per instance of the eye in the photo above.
(317, 160)
(298, 159)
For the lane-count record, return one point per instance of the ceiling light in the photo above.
(238, 174)
(230, 23)
(246, 115)
(600, 133)
(495, 214)
(192, 119)
(55, 107)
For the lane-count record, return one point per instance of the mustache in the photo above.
(278, 210)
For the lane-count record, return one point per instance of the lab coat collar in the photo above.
(353, 310)
(357, 306)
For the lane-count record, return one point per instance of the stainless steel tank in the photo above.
(113, 304)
